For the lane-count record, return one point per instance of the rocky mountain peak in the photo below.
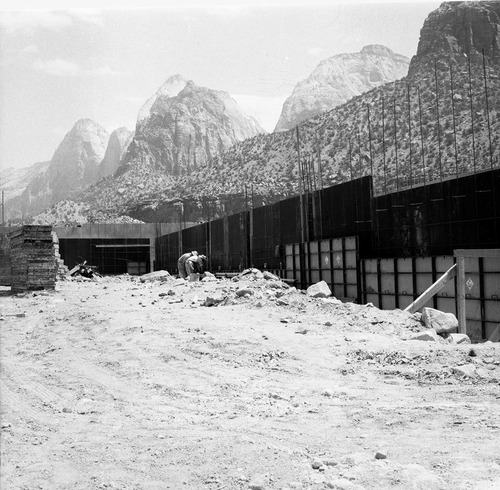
(170, 88)
(117, 146)
(456, 29)
(339, 78)
(185, 130)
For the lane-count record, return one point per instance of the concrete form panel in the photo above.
(405, 265)
(387, 283)
(491, 264)
(405, 284)
(387, 265)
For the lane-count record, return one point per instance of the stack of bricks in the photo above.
(33, 260)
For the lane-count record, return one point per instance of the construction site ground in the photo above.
(117, 384)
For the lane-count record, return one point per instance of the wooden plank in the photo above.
(462, 325)
(432, 290)
(484, 252)
(495, 336)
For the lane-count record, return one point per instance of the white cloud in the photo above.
(90, 16)
(31, 49)
(58, 67)
(30, 20)
(63, 68)
(315, 52)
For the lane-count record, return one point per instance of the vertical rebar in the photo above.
(472, 118)
(396, 146)
(438, 122)
(454, 121)
(3, 208)
(359, 148)
(320, 169)
(350, 158)
(421, 133)
(370, 140)
(383, 145)
(487, 110)
(409, 133)
(301, 197)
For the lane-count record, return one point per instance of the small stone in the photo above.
(270, 276)
(328, 324)
(213, 300)
(381, 455)
(257, 482)
(343, 484)
(331, 462)
(426, 335)
(285, 320)
(458, 338)
(472, 353)
(319, 290)
(316, 464)
(301, 331)
(467, 370)
(156, 276)
(244, 292)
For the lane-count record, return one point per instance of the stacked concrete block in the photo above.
(33, 261)
(62, 269)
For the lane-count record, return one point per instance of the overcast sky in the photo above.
(58, 66)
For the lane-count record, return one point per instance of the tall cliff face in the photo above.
(456, 29)
(118, 143)
(74, 166)
(187, 129)
(338, 79)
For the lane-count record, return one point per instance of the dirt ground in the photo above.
(118, 384)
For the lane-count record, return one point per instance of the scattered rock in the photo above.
(316, 464)
(244, 292)
(458, 338)
(418, 476)
(319, 290)
(381, 455)
(302, 331)
(343, 484)
(214, 299)
(161, 276)
(208, 277)
(467, 370)
(427, 335)
(328, 324)
(441, 322)
(472, 353)
(270, 276)
(257, 482)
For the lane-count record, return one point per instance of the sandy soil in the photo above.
(119, 384)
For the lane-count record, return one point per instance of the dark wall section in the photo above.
(423, 221)
(111, 256)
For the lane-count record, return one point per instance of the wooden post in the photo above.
(462, 325)
(434, 289)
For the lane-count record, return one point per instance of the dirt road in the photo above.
(119, 384)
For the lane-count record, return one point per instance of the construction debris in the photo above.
(319, 290)
(441, 322)
(161, 276)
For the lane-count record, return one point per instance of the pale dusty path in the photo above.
(109, 385)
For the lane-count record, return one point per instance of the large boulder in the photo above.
(441, 322)
(319, 290)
